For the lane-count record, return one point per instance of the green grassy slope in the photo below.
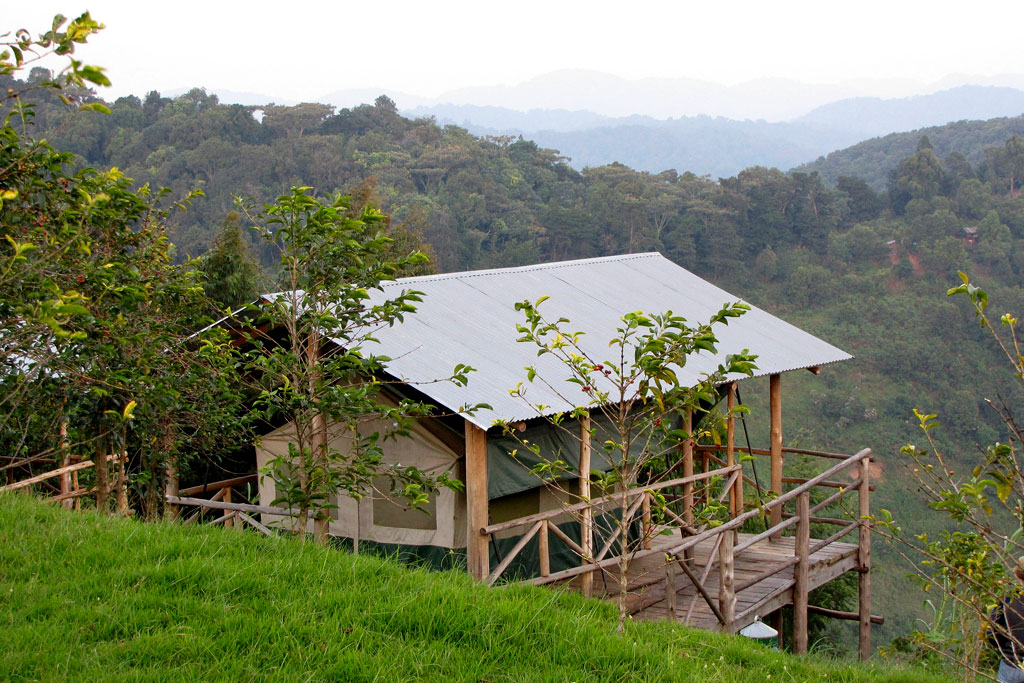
(92, 599)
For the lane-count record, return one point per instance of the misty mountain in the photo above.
(771, 99)
(718, 147)
(872, 116)
(721, 146)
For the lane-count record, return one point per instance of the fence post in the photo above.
(736, 494)
(864, 563)
(75, 459)
(775, 410)
(688, 472)
(543, 549)
(122, 484)
(172, 511)
(800, 574)
(726, 580)
(65, 479)
(227, 499)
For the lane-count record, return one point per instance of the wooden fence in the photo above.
(727, 544)
(69, 491)
(227, 498)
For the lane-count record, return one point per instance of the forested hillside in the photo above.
(865, 270)
(872, 160)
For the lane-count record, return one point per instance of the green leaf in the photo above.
(95, 106)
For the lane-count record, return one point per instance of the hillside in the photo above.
(837, 262)
(872, 160)
(114, 599)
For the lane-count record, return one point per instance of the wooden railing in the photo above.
(226, 499)
(69, 489)
(726, 544)
(639, 498)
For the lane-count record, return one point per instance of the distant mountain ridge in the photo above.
(771, 99)
(692, 125)
(720, 146)
(874, 116)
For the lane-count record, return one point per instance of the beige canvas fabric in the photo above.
(377, 517)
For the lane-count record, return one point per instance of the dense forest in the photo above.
(864, 268)
(873, 160)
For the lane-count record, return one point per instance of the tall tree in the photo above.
(315, 365)
(231, 275)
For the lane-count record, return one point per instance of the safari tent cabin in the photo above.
(470, 318)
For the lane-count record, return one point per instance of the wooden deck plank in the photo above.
(647, 582)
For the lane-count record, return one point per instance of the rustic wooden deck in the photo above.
(647, 586)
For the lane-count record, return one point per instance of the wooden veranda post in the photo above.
(726, 580)
(775, 409)
(736, 494)
(688, 468)
(864, 564)
(587, 514)
(477, 552)
(800, 574)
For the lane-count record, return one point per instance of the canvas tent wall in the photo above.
(513, 489)
(379, 518)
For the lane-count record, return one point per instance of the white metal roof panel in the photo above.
(470, 318)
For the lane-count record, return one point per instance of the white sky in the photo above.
(301, 50)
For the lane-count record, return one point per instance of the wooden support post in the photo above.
(544, 550)
(65, 479)
(74, 481)
(122, 484)
(587, 513)
(688, 472)
(736, 494)
(864, 564)
(172, 511)
(726, 581)
(775, 410)
(670, 590)
(477, 550)
(800, 574)
(102, 472)
(227, 499)
(688, 468)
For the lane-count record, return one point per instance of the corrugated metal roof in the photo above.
(470, 318)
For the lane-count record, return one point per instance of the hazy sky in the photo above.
(300, 50)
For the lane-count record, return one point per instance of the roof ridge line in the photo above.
(519, 269)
